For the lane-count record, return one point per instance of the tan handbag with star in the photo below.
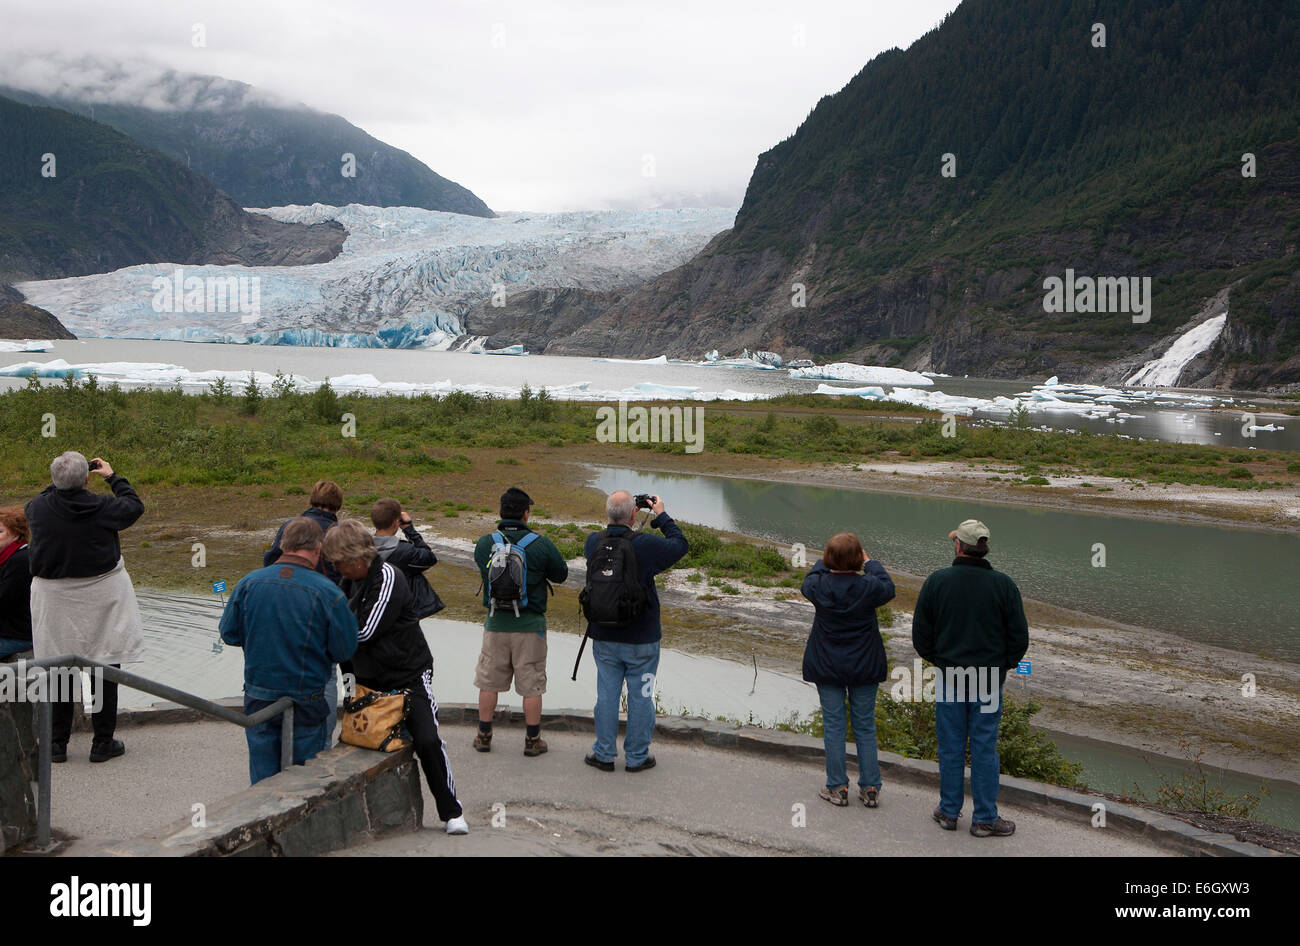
(373, 719)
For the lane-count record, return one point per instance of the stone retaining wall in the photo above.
(342, 797)
(17, 772)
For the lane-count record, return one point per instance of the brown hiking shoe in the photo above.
(839, 797)
(483, 742)
(948, 824)
(534, 746)
(999, 829)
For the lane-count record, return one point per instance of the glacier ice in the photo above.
(405, 278)
(867, 374)
(155, 374)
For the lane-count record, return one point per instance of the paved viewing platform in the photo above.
(717, 790)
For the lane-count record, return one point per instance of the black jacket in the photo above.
(74, 531)
(414, 558)
(16, 597)
(411, 557)
(970, 615)
(323, 518)
(654, 554)
(391, 649)
(845, 648)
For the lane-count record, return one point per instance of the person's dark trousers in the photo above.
(422, 723)
(103, 722)
(310, 720)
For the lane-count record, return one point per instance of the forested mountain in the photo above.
(77, 197)
(1123, 159)
(262, 152)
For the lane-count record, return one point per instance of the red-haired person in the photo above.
(845, 657)
(15, 584)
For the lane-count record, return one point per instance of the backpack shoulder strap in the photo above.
(499, 539)
(527, 540)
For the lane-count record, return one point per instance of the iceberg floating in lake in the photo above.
(759, 360)
(153, 374)
(873, 393)
(659, 360)
(867, 374)
(26, 346)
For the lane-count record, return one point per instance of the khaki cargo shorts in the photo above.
(517, 654)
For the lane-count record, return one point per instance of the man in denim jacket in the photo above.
(294, 625)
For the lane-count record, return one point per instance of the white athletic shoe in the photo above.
(457, 826)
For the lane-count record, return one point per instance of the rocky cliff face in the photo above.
(20, 320)
(1123, 161)
(537, 317)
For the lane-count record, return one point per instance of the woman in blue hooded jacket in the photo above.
(845, 657)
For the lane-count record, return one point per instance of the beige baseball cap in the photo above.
(970, 532)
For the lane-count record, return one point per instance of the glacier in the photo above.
(405, 278)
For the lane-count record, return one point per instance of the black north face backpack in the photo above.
(613, 595)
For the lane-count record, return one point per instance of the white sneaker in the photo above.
(457, 826)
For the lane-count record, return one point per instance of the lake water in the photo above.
(1176, 422)
(1116, 769)
(1230, 587)
(180, 632)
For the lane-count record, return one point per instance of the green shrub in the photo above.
(252, 396)
(325, 405)
(1193, 792)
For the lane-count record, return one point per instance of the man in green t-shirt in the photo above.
(514, 644)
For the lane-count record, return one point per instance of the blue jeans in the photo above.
(309, 731)
(862, 704)
(10, 647)
(954, 723)
(637, 664)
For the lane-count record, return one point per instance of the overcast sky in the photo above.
(532, 104)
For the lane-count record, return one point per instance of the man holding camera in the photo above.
(626, 646)
(82, 600)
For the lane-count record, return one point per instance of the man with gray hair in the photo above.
(82, 599)
(622, 610)
(294, 625)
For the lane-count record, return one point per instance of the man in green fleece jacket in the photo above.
(514, 645)
(969, 620)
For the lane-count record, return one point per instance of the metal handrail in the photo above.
(125, 678)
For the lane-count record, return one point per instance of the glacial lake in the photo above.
(1171, 421)
(1233, 588)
